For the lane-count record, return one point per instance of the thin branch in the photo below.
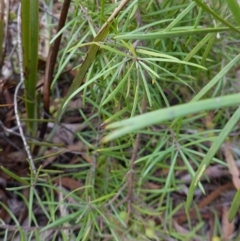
(116, 12)
(132, 163)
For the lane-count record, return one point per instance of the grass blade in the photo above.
(92, 51)
(14, 176)
(138, 122)
(30, 35)
(235, 9)
(234, 207)
(210, 154)
(177, 32)
(216, 16)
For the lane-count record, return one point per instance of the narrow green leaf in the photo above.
(155, 117)
(30, 36)
(235, 9)
(92, 51)
(145, 84)
(173, 33)
(148, 69)
(117, 52)
(216, 16)
(14, 176)
(147, 26)
(234, 207)
(88, 83)
(167, 9)
(103, 198)
(62, 220)
(196, 49)
(117, 89)
(211, 152)
(214, 81)
(180, 16)
(156, 54)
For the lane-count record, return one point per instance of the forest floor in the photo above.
(129, 189)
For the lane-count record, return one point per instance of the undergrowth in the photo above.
(157, 102)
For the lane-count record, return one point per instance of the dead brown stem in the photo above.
(51, 61)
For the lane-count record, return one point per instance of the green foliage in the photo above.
(149, 77)
(148, 119)
(235, 9)
(30, 36)
(155, 59)
(216, 145)
(234, 207)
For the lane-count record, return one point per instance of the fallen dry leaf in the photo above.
(63, 211)
(182, 230)
(179, 228)
(17, 156)
(215, 194)
(76, 147)
(151, 185)
(232, 166)
(52, 154)
(227, 228)
(68, 182)
(65, 133)
(87, 158)
(75, 104)
(181, 216)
